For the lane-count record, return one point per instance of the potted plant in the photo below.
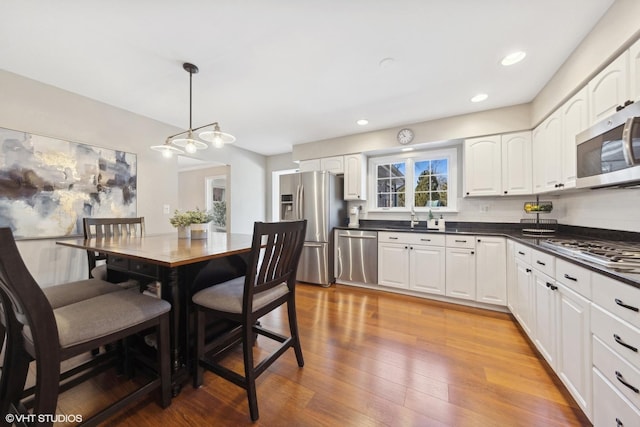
(191, 223)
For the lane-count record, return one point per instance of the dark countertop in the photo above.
(514, 232)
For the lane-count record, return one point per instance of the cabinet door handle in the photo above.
(619, 423)
(521, 253)
(472, 252)
(553, 287)
(528, 270)
(540, 263)
(629, 307)
(624, 344)
(406, 247)
(566, 276)
(621, 379)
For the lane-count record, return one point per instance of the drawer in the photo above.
(610, 407)
(426, 239)
(118, 261)
(523, 253)
(468, 242)
(618, 298)
(619, 372)
(386, 237)
(144, 268)
(543, 262)
(621, 337)
(574, 277)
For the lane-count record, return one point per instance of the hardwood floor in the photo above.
(373, 358)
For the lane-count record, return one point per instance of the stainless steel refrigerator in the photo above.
(317, 197)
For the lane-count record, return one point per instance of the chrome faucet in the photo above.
(414, 218)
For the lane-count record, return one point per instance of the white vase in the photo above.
(184, 232)
(199, 231)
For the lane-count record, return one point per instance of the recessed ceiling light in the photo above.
(363, 122)
(479, 97)
(513, 58)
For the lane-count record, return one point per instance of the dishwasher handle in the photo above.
(350, 236)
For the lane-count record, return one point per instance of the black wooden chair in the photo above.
(107, 228)
(37, 332)
(269, 283)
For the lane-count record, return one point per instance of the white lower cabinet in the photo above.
(461, 267)
(393, 264)
(615, 325)
(412, 261)
(524, 296)
(491, 270)
(427, 269)
(545, 316)
(574, 346)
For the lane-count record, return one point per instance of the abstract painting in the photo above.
(48, 185)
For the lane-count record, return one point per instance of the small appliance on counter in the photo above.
(354, 217)
(538, 226)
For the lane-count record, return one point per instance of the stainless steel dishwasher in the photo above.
(357, 256)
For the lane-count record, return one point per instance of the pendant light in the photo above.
(187, 139)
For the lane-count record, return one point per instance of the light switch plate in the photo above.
(166, 209)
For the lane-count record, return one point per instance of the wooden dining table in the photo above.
(178, 268)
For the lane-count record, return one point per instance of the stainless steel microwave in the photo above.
(608, 153)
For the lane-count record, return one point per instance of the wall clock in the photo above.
(405, 136)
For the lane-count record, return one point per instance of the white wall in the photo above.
(33, 107)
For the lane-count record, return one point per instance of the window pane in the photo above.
(383, 171)
(383, 201)
(397, 184)
(384, 186)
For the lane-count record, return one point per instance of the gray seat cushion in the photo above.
(72, 292)
(227, 296)
(99, 272)
(103, 315)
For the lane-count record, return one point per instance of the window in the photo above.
(423, 180)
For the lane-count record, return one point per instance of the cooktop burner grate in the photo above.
(609, 254)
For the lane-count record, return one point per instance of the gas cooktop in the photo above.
(611, 254)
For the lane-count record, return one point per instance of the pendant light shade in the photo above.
(188, 140)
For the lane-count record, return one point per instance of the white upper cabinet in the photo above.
(516, 164)
(483, 166)
(332, 164)
(547, 154)
(575, 119)
(634, 71)
(310, 165)
(609, 89)
(355, 177)
(498, 165)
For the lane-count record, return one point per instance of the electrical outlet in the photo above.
(166, 209)
(484, 208)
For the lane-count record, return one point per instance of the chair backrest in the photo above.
(108, 228)
(275, 252)
(113, 227)
(25, 303)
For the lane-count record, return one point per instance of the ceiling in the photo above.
(276, 73)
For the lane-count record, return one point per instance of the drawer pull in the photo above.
(566, 276)
(425, 240)
(629, 307)
(540, 263)
(521, 253)
(621, 379)
(461, 241)
(551, 286)
(619, 423)
(624, 344)
(393, 238)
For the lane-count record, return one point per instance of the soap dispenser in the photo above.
(441, 224)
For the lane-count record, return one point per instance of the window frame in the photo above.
(409, 159)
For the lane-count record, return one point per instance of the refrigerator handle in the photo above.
(300, 201)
